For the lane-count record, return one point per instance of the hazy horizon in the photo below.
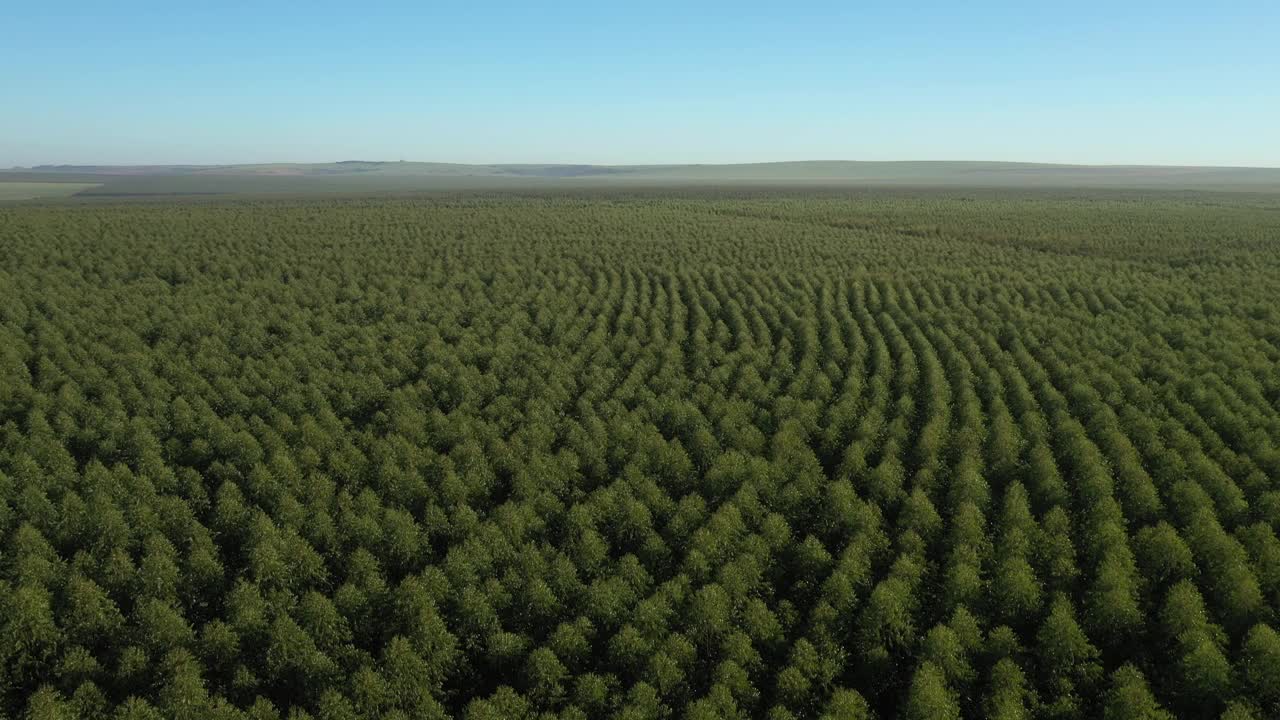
(674, 164)
(144, 83)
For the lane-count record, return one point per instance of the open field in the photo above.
(382, 177)
(32, 190)
(727, 452)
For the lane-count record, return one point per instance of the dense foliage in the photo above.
(890, 454)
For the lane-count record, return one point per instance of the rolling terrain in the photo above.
(355, 177)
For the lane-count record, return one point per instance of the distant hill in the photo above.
(374, 176)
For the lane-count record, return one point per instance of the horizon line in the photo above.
(631, 165)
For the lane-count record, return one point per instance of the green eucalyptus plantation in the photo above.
(641, 455)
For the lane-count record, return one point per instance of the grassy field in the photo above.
(32, 190)
(642, 454)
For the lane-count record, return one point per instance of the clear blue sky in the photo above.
(1121, 81)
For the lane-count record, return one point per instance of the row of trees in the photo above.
(896, 455)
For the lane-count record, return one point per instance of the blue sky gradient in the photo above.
(659, 82)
